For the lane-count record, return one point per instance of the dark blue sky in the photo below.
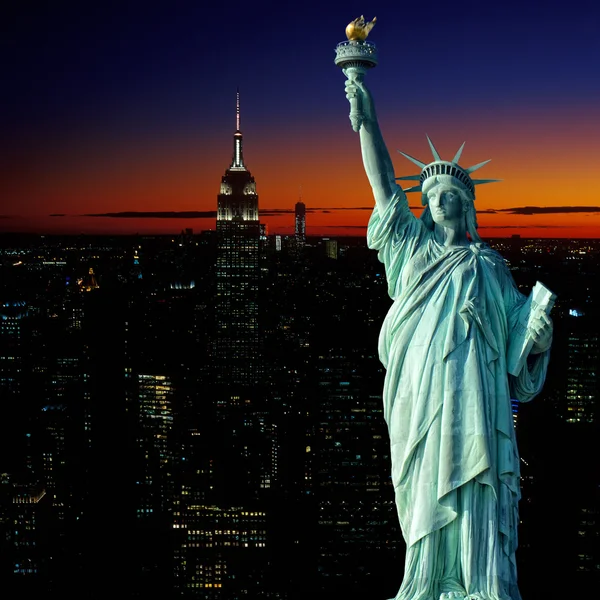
(169, 64)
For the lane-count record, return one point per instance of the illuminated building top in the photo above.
(237, 198)
(237, 163)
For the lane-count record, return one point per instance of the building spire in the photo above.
(237, 164)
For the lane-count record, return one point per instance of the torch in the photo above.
(355, 57)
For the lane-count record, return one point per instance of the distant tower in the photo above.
(12, 351)
(221, 503)
(331, 248)
(154, 407)
(13, 361)
(238, 238)
(300, 224)
(136, 271)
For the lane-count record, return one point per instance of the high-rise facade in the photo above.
(583, 365)
(351, 482)
(220, 516)
(237, 274)
(331, 248)
(11, 353)
(300, 225)
(155, 421)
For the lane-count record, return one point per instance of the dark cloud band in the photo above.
(212, 214)
(275, 212)
(541, 210)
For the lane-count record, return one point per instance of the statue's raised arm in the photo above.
(355, 57)
(376, 158)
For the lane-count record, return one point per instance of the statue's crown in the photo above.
(444, 167)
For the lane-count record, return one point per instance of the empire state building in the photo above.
(237, 275)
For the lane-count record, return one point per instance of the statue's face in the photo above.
(446, 205)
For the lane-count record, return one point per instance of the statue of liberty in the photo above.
(447, 390)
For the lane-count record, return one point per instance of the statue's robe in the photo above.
(447, 403)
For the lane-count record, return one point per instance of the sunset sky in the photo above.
(130, 107)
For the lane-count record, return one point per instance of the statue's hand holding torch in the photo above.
(361, 102)
(355, 57)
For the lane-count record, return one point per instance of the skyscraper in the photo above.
(300, 230)
(351, 483)
(237, 275)
(155, 421)
(220, 517)
(583, 365)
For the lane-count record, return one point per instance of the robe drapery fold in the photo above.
(447, 395)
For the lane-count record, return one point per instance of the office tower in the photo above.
(154, 478)
(11, 353)
(228, 467)
(352, 486)
(300, 229)
(583, 368)
(238, 394)
(15, 336)
(237, 274)
(222, 551)
(136, 270)
(155, 422)
(56, 384)
(582, 417)
(110, 509)
(25, 514)
(331, 248)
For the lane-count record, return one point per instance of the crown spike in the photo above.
(409, 177)
(415, 188)
(419, 164)
(458, 153)
(436, 155)
(470, 170)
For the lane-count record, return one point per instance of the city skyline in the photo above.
(121, 452)
(132, 111)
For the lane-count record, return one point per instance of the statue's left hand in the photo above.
(540, 331)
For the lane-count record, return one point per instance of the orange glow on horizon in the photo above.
(543, 161)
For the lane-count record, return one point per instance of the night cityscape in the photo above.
(199, 415)
(190, 378)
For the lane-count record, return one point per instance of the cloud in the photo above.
(343, 227)
(211, 214)
(274, 212)
(524, 226)
(310, 209)
(542, 210)
(518, 210)
(330, 208)
(207, 214)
